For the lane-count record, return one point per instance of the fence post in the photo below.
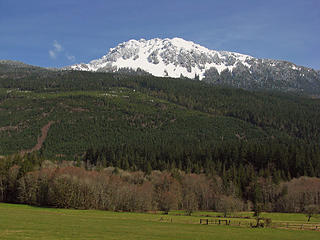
(207, 221)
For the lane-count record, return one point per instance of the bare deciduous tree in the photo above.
(311, 210)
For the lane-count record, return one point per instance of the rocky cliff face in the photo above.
(180, 58)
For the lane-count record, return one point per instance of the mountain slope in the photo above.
(132, 121)
(180, 58)
(88, 108)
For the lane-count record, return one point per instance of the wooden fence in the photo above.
(215, 221)
(298, 226)
(285, 225)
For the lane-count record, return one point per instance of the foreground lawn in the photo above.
(25, 222)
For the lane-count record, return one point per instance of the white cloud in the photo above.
(57, 46)
(52, 54)
(56, 49)
(70, 57)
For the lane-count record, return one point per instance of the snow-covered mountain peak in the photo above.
(174, 57)
(177, 57)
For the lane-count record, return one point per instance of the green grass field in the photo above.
(26, 222)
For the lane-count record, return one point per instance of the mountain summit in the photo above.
(166, 57)
(180, 58)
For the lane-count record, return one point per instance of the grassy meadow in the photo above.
(26, 222)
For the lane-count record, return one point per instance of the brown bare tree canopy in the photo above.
(44, 183)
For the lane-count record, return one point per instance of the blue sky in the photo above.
(63, 32)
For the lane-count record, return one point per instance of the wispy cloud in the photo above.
(57, 46)
(56, 49)
(71, 58)
(52, 54)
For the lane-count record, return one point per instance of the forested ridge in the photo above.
(140, 122)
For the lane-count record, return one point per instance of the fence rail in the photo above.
(305, 226)
(287, 225)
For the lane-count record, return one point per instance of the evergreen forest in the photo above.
(169, 135)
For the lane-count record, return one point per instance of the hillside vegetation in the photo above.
(152, 119)
(252, 141)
